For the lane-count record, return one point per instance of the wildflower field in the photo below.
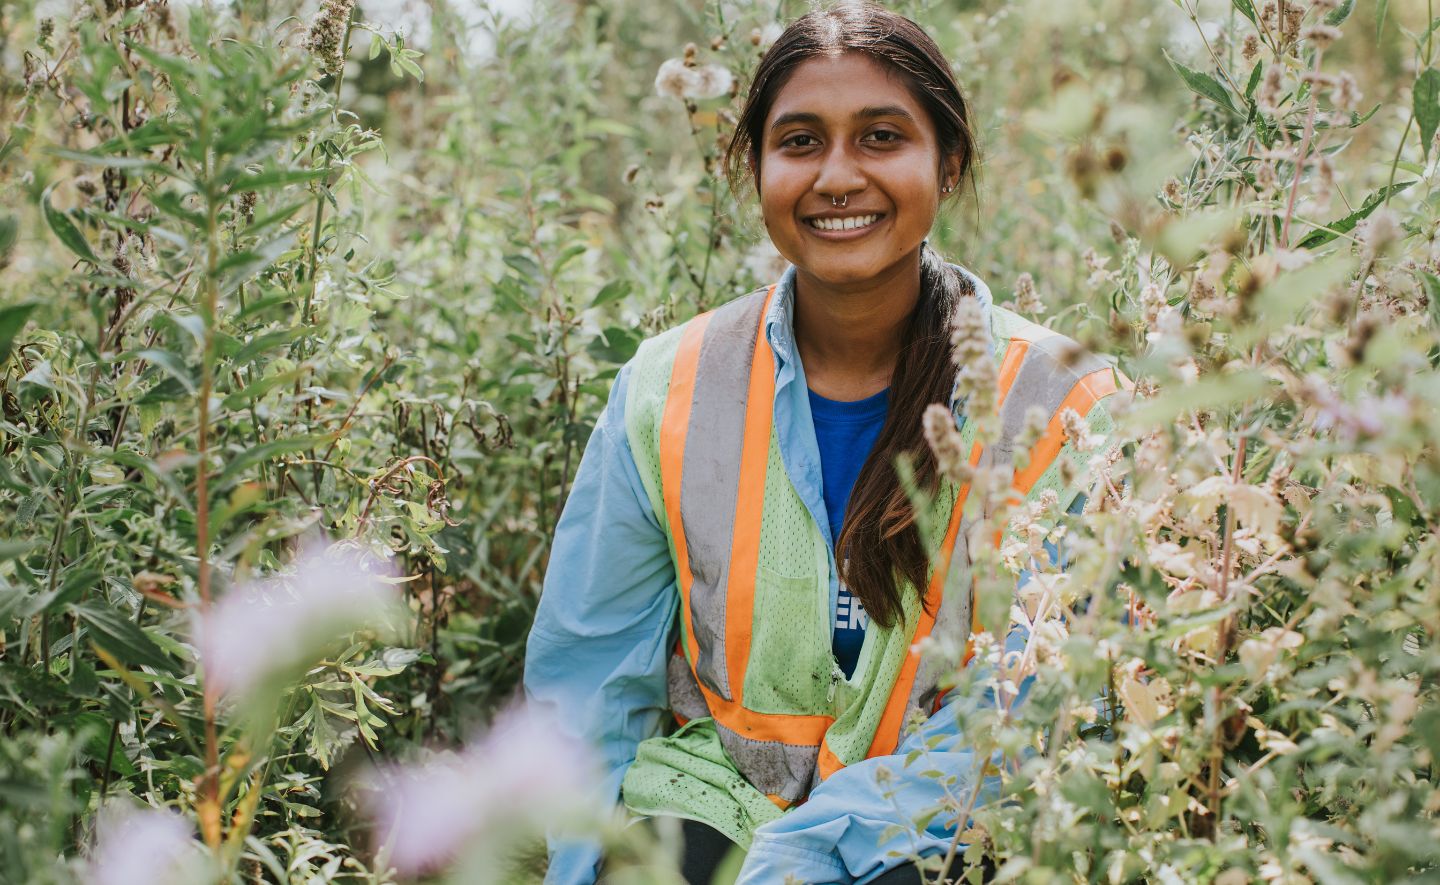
(306, 314)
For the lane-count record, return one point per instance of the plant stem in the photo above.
(209, 805)
(1300, 158)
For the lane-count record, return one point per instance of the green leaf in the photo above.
(1340, 13)
(12, 320)
(274, 178)
(614, 345)
(403, 62)
(1174, 629)
(1246, 9)
(1283, 300)
(1427, 106)
(1215, 392)
(266, 451)
(1347, 224)
(612, 291)
(65, 229)
(245, 264)
(97, 740)
(1203, 84)
(1380, 9)
(14, 549)
(9, 235)
(134, 164)
(71, 589)
(260, 387)
(266, 342)
(121, 637)
(1431, 284)
(1254, 81)
(173, 365)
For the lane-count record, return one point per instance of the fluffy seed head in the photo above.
(977, 378)
(327, 34)
(1321, 35)
(1027, 299)
(945, 442)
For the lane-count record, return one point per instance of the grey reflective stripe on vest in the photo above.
(773, 768)
(1053, 366)
(710, 477)
(685, 697)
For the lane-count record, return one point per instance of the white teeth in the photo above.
(844, 223)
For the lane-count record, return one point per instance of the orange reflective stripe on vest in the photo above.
(730, 592)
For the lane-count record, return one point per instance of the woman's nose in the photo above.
(840, 173)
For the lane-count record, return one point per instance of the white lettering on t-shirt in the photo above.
(849, 613)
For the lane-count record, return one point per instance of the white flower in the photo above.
(765, 37)
(675, 79)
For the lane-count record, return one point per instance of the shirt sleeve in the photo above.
(597, 652)
(857, 825)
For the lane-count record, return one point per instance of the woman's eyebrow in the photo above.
(866, 113)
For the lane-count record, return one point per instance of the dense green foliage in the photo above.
(253, 293)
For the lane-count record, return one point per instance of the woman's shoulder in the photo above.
(747, 308)
(1062, 354)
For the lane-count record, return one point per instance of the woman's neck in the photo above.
(849, 336)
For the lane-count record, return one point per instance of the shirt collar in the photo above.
(780, 318)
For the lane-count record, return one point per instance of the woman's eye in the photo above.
(794, 141)
(890, 137)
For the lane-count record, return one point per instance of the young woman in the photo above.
(737, 555)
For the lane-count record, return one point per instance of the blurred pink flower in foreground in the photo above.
(521, 777)
(144, 846)
(260, 629)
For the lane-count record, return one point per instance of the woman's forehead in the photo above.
(837, 88)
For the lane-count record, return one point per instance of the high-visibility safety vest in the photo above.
(767, 711)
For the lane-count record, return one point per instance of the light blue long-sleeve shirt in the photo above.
(606, 624)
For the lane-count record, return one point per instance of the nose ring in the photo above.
(840, 203)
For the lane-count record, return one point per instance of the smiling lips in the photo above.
(849, 222)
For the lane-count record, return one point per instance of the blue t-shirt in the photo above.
(846, 432)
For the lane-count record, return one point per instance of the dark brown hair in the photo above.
(879, 538)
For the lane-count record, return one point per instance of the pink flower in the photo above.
(145, 846)
(261, 629)
(522, 776)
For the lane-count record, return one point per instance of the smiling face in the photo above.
(845, 126)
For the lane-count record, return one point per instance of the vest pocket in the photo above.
(789, 670)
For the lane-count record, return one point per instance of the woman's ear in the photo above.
(752, 163)
(950, 171)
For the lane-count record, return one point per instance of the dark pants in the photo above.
(706, 847)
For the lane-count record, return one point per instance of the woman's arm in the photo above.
(603, 630)
(856, 825)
